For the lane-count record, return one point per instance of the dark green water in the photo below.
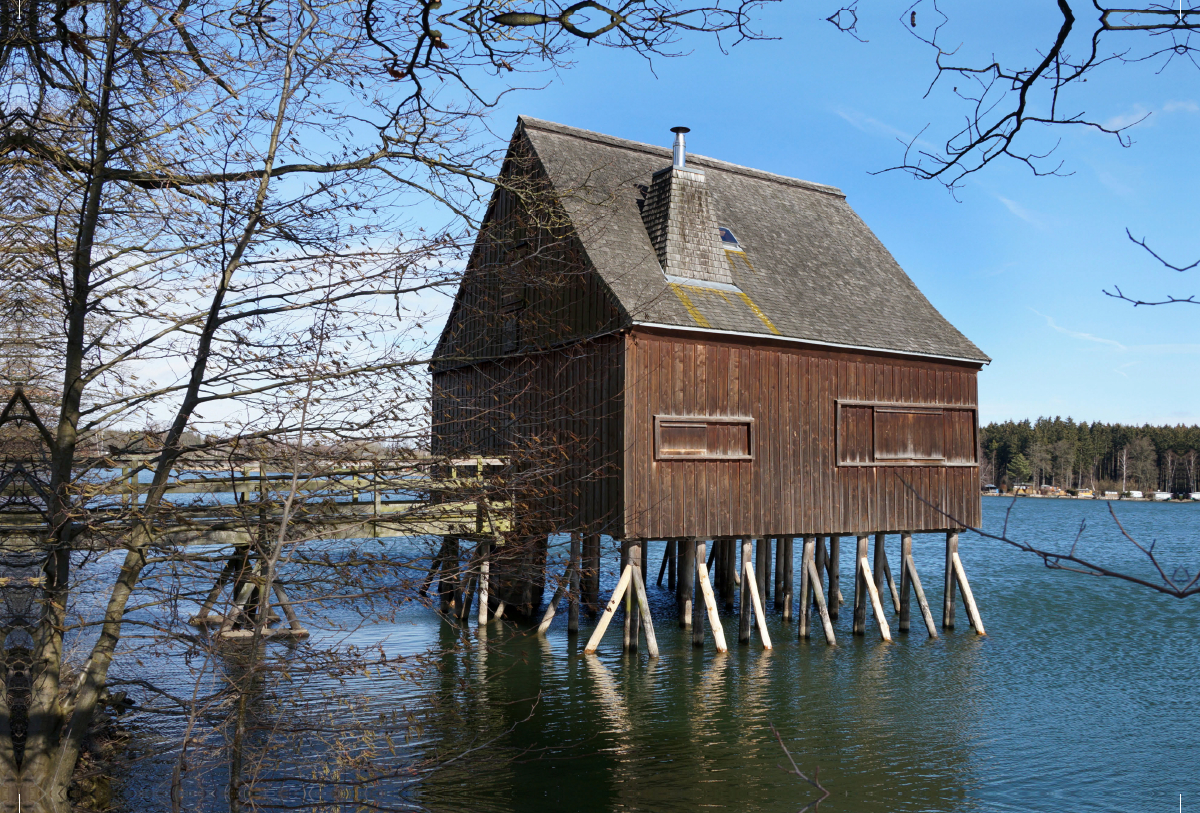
(1083, 696)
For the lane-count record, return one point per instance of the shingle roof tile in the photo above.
(811, 269)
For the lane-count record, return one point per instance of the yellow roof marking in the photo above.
(696, 315)
(758, 312)
(740, 255)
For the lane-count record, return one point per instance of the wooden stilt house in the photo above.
(676, 347)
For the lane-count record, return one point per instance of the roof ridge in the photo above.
(652, 149)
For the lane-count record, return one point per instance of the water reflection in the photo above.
(1080, 698)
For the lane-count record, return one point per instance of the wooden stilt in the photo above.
(762, 566)
(788, 577)
(948, 592)
(820, 559)
(285, 604)
(860, 590)
(644, 606)
(905, 609)
(485, 582)
(885, 632)
(880, 563)
(891, 583)
(730, 582)
(926, 614)
(637, 558)
(806, 559)
(499, 611)
(243, 590)
(744, 608)
(814, 577)
(644, 550)
(463, 612)
(591, 573)
(759, 613)
(662, 568)
(710, 602)
(234, 565)
(777, 595)
(627, 620)
(968, 598)
(673, 564)
(687, 566)
(610, 609)
(698, 600)
(449, 588)
(835, 579)
(573, 585)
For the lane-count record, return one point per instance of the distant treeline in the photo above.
(1101, 456)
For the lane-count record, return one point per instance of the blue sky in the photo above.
(1019, 263)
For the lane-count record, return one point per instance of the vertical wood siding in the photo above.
(794, 484)
(556, 416)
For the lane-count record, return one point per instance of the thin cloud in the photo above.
(1140, 349)
(1182, 106)
(1075, 334)
(1032, 218)
(872, 126)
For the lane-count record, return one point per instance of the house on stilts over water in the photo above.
(670, 347)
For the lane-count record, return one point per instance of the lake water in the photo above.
(1082, 697)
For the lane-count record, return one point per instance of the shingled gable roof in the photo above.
(809, 270)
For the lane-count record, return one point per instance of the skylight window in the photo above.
(728, 240)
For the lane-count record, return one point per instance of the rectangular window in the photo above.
(703, 438)
(891, 434)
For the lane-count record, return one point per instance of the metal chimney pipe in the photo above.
(678, 152)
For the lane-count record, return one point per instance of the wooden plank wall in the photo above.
(793, 485)
(557, 415)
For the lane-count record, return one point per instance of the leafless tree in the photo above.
(1016, 96)
(211, 231)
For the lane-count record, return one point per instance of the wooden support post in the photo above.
(905, 609)
(820, 559)
(876, 603)
(673, 563)
(788, 576)
(644, 549)
(698, 600)
(572, 588)
(637, 558)
(762, 566)
(835, 578)
(449, 588)
(926, 614)
(710, 602)
(806, 571)
(744, 607)
(685, 594)
(814, 576)
(666, 561)
(778, 586)
(732, 579)
(236, 562)
(968, 599)
(948, 592)
(463, 613)
(591, 573)
(285, 604)
(644, 606)
(485, 582)
(610, 610)
(879, 563)
(860, 589)
(759, 609)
